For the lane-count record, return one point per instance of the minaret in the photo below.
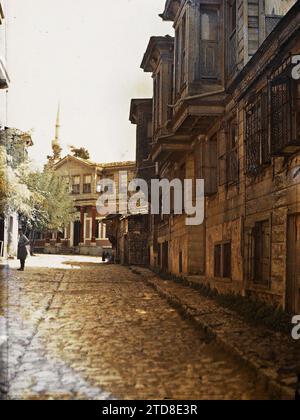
(55, 142)
(56, 147)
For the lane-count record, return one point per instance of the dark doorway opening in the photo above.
(165, 257)
(1, 236)
(77, 229)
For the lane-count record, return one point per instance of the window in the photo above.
(206, 164)
(232, 37)
(209, 45)
(233, 153)
(87, 185)
(222, 159)
(228, 155)
(180, 54)
(180, 262)
(222, 260)
(157, 101)
(262, 254)
(76, 185)
(274, 10)
(257, 141)
(285, 122)
(183, 52)
(66, 181)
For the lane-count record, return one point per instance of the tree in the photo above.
(40, 198)
(52, 206)
(56, 155)
(80, 152)
(14, 193)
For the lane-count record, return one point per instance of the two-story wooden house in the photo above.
(87, 233)
(225, 110)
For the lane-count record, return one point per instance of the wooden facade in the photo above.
(226, 110)
(87, 233)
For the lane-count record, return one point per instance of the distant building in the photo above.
(86, 235)
(130, 233)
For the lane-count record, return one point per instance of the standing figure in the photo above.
(22, 249)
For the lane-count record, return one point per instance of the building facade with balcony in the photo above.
(225, 109)
(85, 235)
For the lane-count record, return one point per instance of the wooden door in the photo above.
(165, 257)
(293, 265)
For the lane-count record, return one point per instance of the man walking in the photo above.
(22, 249)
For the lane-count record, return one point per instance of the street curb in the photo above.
(263, 375)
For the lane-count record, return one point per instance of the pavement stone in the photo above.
(78, 329)
(273, 355)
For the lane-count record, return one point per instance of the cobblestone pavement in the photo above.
(78, 329)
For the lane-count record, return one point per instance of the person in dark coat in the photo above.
(22, 249)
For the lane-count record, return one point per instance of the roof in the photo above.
(90, 163)
(14, 132)
(156, 47)
(171, 8)
(136, 104)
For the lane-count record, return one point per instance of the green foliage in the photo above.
(40, 198)
(52, 206)
(56, 155)
(14, 193)
(80, 152)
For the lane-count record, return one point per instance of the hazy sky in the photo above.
(87, 55)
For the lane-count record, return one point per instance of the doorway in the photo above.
(77, 229)
(1, 236)
(165, 257)
(293, 265)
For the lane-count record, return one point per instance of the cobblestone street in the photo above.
(79, 329)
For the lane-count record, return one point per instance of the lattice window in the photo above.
(271, 23)
(281, 113)
(257, 142)
(233, 153)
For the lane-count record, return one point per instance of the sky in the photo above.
(85, 54)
